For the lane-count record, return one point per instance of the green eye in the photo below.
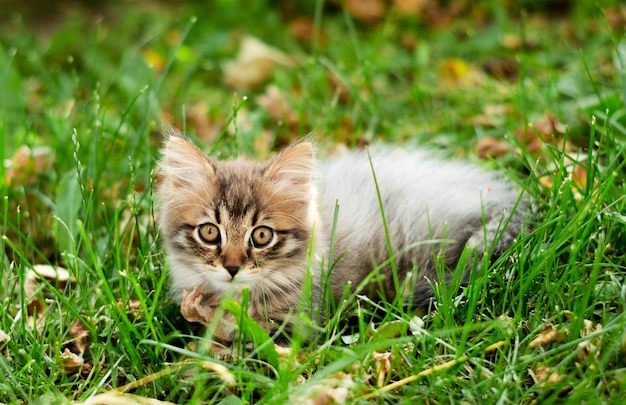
(261, 236)
(209, 233)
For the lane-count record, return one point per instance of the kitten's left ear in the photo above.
(294, 166)
(183, 163)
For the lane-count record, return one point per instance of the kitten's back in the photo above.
(424, 199)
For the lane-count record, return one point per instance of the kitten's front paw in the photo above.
(193, 310)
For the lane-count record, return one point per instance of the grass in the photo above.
(87, 95)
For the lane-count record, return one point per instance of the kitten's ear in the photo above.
(183, 164)
(294, 166)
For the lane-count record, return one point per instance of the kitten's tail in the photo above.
(494, 238)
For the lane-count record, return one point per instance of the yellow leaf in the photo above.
(154, 59)
(453, 70)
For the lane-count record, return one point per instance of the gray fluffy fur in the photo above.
(425, 199)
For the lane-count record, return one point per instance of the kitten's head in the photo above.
(234, 224)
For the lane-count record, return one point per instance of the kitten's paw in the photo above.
(193, 310)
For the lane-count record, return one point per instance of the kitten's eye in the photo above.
(209, 233)
(261, 236)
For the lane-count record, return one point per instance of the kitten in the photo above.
(230, 225)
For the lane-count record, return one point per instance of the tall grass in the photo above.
(543, 323)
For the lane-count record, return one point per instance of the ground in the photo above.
(534, 89)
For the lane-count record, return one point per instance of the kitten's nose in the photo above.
(232, 270)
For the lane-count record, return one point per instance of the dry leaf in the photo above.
(192, 309)
(503, 68)
(438, 17)
(303, 29)
(576, 176)
(81, 337)
(616, 17)
(368, 11)
(545, 376)
(27, 163)
(490, 147)
(410, 7)
(72, 362)
(548, 335)
(254, 64)
(333, 390)
(282, 351)
(589, 347)
(277, 105)
(221, 371)
(457, 72)
(154, 60)
(117, 398)
(340, 88)
(383, 366)
(511, 41)
(133, 308)
(547, 130)
(132, 305)
(198, 117)
(56, 275)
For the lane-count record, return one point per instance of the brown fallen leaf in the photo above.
(58, 277)
(544, 376)
(132, 307)
(81, 337)
(197, 116)
(334, 389)
(27, 163)
(71, 362)
(616, 17)
(412, 8)
(546, 130)
(340, 87)
(511, 41)
(114, 397)
(254, 64)
(368, 11)
(303, 29)
(548, 335)
(277, 106)
(576, 176)
(490, 147)
(589, 347)
(283, 351)
(503, 68)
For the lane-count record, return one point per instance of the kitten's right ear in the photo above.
(183, 164)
